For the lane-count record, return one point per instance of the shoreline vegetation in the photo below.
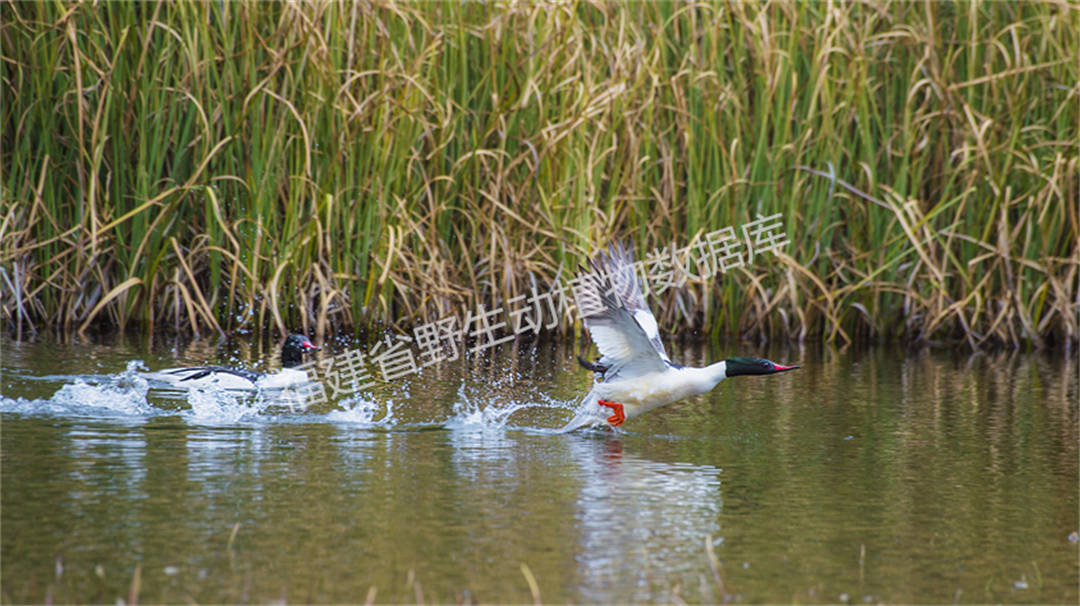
(329, 167)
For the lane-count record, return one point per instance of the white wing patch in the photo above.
(647, 322)
(610, 302)
(612, 342)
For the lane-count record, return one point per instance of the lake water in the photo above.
(869, 475)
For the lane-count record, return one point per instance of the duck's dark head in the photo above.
(292, 352)
(753, 366)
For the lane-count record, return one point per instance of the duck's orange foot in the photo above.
(619, 416)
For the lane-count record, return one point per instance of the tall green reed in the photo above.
(328, 166)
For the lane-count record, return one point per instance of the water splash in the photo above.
(587, 413)
(494, 410)
(363, 410)
(494, 405)
(215, 406)
(469, 411)
(123, 394)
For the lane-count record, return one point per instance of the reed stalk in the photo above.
(329, 166)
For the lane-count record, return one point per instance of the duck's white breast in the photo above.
(286, 377)
(653, 390)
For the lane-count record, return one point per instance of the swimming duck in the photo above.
(634, 373)
(229, 377)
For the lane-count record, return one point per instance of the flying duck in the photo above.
(634, 373)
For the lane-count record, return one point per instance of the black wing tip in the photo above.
(198, 372)
(202, 372)
(610, 260)
(621, 249)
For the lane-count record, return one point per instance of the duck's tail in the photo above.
(593, 366)
(586, 415)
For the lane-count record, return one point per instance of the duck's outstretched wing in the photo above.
(613, 308)
(618, 263)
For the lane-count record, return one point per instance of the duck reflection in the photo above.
(634, 526)
(642, 523)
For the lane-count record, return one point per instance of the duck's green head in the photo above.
(753, 366)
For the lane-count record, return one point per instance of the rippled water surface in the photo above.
(867, 476)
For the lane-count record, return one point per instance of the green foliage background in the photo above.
(337, 165)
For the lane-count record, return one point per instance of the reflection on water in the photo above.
(868, 476)
(641, 523)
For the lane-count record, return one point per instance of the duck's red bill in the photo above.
(783, 368)
(309, 346)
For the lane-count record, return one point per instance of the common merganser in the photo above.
(634, 373)
(229, 377)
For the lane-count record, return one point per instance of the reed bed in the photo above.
(331, 166)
